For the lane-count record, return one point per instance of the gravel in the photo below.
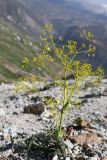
(17, 125)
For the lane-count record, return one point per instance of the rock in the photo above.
(36, 109)
(6, 153)
(67, 158)
(92, 117)
(84, 124)
(10, 131)
(104, 158)
(3, 158)
(93, 158)
(73, 155)
(85, 147)
(76, 150)
(80, 158)
(69, 144)
(86, 138)
(69, 151)
(55, 157)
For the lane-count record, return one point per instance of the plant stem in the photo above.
(62, 113)
(72, 91)
(64, 102)
(65, 86)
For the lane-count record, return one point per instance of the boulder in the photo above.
(35, 109)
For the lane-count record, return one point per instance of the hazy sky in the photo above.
(91, 1)
(97, 1)
(102, 3)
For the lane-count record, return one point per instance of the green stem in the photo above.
(72, 91)
(65, 86)
(64, 102)
(52, 42)
(75, 85)
(60, 125)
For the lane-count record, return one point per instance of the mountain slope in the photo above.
(20, 15)
(28, 16)
(14, 46)
(21, 21)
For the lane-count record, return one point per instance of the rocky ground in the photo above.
(22, 115)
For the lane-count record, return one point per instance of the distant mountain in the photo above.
(28, 16)
(101, 42)
(20, 15)
(24, 18)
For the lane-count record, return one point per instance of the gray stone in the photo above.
(69, 144)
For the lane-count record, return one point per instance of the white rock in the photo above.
(76, 150)
(67, 158)
(55, 157)
(69, 144)
(7, 153)
(93, 158)
(69, 151)
(10, 131)
(1, 133)
(73, 155)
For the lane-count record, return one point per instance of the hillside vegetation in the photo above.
(14, 46)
